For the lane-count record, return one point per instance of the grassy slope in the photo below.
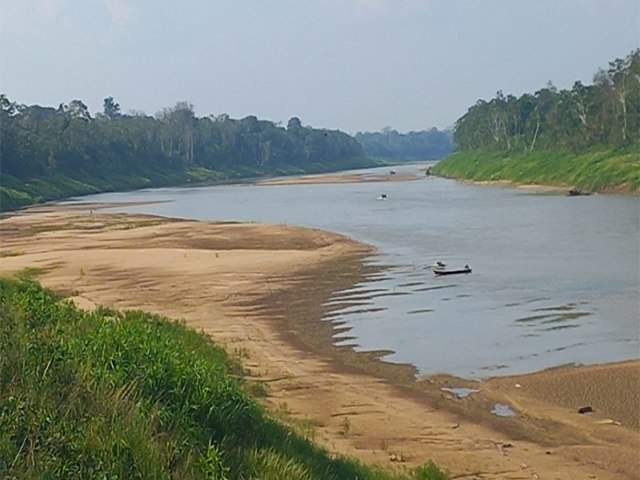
(15, 193)
(105, 394)
(599, 170)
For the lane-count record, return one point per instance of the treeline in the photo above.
(105, 394)
(606, 113)
(391, 145)
(65, 146)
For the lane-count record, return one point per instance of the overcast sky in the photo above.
(355, 65)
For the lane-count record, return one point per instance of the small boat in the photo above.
(439, 271)
(383, 196)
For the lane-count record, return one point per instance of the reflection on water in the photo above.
(555, 279)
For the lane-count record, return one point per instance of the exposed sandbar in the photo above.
(261, 290)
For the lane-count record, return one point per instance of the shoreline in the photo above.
(256, 287)
(540, 188)
(596, 170)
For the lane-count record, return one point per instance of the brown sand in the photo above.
(343, 177)
(260, 289)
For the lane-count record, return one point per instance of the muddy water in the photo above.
(555, 279)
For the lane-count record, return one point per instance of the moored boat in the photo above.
(441, 271)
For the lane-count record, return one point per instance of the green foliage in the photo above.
(49, 153)
(29, 273)
(105, 394)
(429, 471)
(596, 170)
(389, 144)
(587, 137)
(212, 463)
(606, 113)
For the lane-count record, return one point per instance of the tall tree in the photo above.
(111, 109)
(606, 112)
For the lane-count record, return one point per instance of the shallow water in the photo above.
(502, 410)
(555, 279)
(460, 392)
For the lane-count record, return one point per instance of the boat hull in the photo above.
(452, 272)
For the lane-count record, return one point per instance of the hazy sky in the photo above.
(348, 64)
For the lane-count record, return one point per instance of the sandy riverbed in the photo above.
(260, 289)
(345, 177)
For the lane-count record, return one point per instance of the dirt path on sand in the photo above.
(260, 290)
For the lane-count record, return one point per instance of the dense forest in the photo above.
(586, 138)
(391, 145)
(604, 113)
(49, 153)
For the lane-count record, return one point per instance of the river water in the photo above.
(555, 279)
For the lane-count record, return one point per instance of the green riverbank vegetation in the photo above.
(51, 153)
(587, 137)
(598, 170)
(121, 395)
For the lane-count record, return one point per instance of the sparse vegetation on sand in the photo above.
(108, 394)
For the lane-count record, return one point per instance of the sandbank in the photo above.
(261, 291)
(343, 177)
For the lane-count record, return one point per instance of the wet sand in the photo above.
(260, 290)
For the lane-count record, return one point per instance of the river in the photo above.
(555, 279)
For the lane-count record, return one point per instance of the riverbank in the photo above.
(597, 171)
(18, 193)
(261, 289)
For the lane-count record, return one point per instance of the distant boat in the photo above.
(441, 271)
(383, 196)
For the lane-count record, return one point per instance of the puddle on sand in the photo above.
(502, 410)
(460, 392)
